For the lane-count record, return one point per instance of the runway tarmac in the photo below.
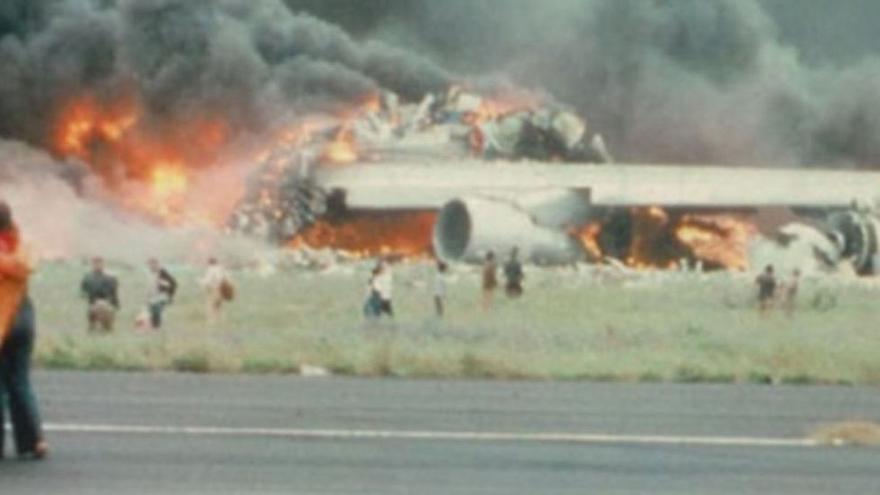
(168, 433)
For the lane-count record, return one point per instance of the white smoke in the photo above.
(60, 223)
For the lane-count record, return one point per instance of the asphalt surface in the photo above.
(166, 433)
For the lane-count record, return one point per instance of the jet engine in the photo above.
(855, 233)
(468, 228)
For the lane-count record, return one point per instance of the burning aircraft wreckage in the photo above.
(458, 175)
(281, 126)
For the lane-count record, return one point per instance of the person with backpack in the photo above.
(164, 286)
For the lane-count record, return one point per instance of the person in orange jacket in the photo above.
(17, 331)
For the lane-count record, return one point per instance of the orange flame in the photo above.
(342, 150)
(111, 137)
(372, 104)
(650, 246)
(658, 239)
(719, 239)
(85, 120)
(589, 238)
(168, 185)
(403, 234)
(168, 179)
(492, 108)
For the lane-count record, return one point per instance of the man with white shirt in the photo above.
(383, 284)
(218, 289)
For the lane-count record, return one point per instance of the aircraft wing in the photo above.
(431, 185)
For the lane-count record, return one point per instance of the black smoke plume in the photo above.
(664, 80)
(249, 63)
(669, 80)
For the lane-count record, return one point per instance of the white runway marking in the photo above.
(574, 438)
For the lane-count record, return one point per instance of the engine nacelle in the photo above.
(468, 228)
(855, 234)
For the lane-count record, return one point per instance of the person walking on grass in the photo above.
(489, 280)
(440, 287)
(383, 284)
(17, 333)
(163, 288)
(790, 292)
(372, 302)
(100, 289)
(218, 290)
(513, 275)
(766, 283)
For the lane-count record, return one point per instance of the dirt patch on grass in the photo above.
(862, 433)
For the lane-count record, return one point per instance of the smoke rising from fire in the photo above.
(668, 81)
(59, 221)
(186, 62)
(144, 93)
(146, 100)
(681, 81)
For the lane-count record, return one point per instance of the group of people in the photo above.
(772, 291)
(100, 289)
(380, 285)
(513, 277)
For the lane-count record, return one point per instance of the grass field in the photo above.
(572, 324)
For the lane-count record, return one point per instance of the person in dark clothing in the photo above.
(766, 283)
(17, 333)
(440, 288)
(100, 289)
(489, 280)
(15, 386)
(373, 303)
(162, 294)
(513, 274)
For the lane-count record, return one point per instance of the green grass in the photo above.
(571, 325)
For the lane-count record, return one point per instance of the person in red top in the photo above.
(17, 330)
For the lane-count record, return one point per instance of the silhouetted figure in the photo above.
(766, 288)
(513, 275)
(164, 286)
(440, 288)
(489, 280)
